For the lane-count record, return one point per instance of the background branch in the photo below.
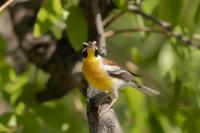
(99, 25)
(165, 26)
(126, 31)
(106, 23)
(5, 5)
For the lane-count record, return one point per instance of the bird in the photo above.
(106, 75)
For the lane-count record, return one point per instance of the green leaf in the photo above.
(4, 118)
(170, 10)
(166, 59)
(136, 55)
(31, 123)
(155, 124)
(197, 14)
(48, 15)
(120, 3)
(15, 86)
(20, 108)
(77, 27)
(149, 5)
(4, 129)
(137, 105)
(189, 13)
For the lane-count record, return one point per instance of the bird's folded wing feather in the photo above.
(116, 71)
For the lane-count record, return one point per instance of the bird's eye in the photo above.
(96, 52)
(84, 53)
(85, 45)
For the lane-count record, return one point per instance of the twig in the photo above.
(147, 29)
(99, 25)
(121, 31)
(113, 18)
(5, 5)
(164, 25)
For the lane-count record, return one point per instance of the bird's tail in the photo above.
(144, 89)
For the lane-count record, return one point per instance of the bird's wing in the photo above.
(113, 65)
(116, 71)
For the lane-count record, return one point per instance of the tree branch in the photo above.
(99, 25)
(165, 26)
(112, 19)
(6, 4)
(124, 31)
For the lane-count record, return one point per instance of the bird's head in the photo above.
(90, 49)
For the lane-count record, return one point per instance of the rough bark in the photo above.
(106, 122)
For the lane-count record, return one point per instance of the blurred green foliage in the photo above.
(48, 17)
(173, 68)
(75, 35)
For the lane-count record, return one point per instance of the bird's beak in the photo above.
(91, 46)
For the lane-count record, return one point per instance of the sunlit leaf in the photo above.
(20, 108)
(48, 15)
(13, 121)
(136, 55)
(4, 129)
(166, 59)
(15, 87)
(120, 3)
(149, 5)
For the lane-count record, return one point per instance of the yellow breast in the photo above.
(95, 74)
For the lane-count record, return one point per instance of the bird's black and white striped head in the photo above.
(90, 49)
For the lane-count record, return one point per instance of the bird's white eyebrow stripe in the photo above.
(85, 43)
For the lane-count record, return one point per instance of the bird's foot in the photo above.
(101, 112)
